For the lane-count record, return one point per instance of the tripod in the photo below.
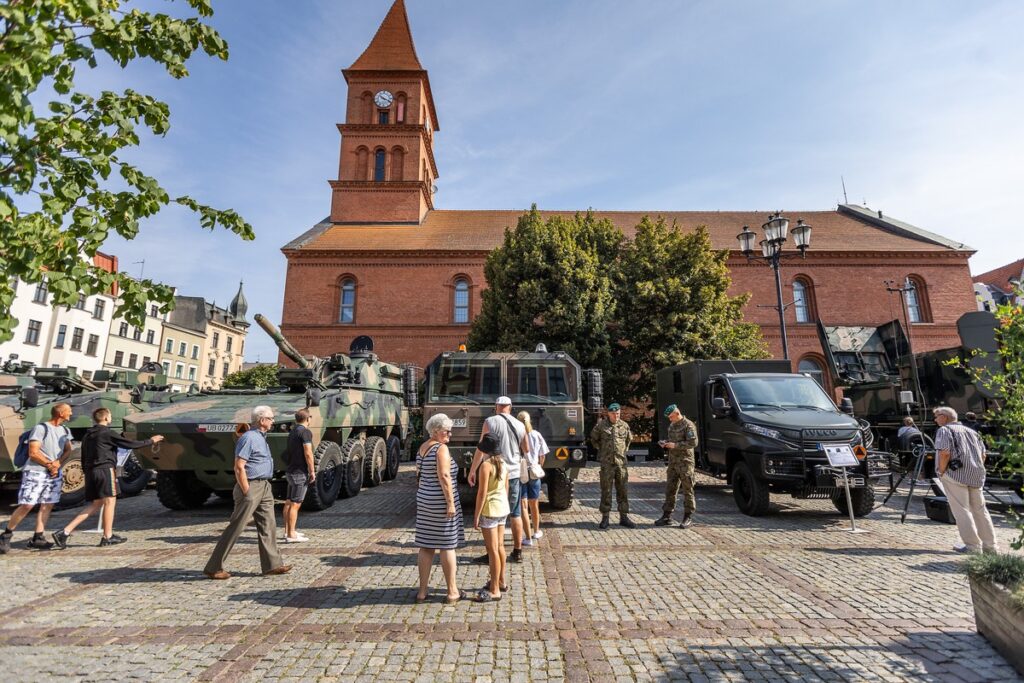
(921, 453)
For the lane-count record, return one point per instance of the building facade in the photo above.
(225, 340)
(203, 343)
(182, 349)
(998, 286)
(130, 347)
(388, 264)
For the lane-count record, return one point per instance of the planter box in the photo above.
(999, 621)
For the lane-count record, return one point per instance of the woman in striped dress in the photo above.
(439, 524)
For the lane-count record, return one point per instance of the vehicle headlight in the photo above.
(577, 454)
(763, 431)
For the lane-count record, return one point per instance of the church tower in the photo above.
(386, 171)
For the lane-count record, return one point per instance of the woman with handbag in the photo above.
(535, 467)
(492, 511)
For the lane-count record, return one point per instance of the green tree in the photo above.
(674, 306)
(550, 282)
(59, 146)
(259, 376)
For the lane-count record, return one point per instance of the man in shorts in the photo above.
(299, 473)
(49, 447)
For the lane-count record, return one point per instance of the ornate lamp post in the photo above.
(776, 230)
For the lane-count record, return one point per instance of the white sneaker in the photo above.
(527, 543)
(539, 534)
(295, 539)
(301, 535)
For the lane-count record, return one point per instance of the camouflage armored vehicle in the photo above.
(26, 400)
(359, 423)
(549, 386)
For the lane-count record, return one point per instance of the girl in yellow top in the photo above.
(491, 511)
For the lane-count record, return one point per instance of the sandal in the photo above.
(487, 587)
(452, 601)
(485, 596)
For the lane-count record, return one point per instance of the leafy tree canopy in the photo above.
(259, 376)
(59, 146)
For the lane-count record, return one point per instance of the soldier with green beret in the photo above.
(611, 437)
(679, 445)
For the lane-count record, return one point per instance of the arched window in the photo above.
(379, 163)
(397, 163)
(362, 163)
(803, 300)
(461, 304)
(811, 366)
(347, 310)
(917, 299)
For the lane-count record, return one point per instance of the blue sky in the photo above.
(659, 105)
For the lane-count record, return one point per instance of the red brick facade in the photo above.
(402, 258)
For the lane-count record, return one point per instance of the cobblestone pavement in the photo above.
(779, 598)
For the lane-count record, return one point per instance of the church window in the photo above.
(397, 163)
(379, 159)
(803, 300)
(347, 310)
(461, 308)
(917, 299)
(382, 116)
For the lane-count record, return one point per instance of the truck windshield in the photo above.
(540, 381)
(784, 391)
(462, 380)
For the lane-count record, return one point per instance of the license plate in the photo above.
(855, 482)
(459, 422)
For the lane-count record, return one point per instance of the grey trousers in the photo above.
(258, 503)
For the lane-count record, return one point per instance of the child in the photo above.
(491, 510)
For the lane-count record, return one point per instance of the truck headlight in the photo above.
(577, 455)
(763, 431)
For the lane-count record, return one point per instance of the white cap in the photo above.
(503, 401)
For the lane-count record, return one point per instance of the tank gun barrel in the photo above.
(282, 343)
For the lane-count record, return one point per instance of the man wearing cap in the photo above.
(611, 437)
(679, 445)
(514, 443)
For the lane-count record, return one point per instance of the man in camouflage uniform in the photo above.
(611, 437)
(679, 445)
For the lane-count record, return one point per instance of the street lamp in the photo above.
(776, 231)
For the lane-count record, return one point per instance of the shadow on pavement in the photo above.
(330, 597)
(126, 575)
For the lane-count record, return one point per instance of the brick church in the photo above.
(390, 264)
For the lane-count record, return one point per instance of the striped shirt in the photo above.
(966, 445)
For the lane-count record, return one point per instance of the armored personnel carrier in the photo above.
(359, 424)
(26, 400)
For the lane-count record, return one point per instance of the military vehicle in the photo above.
(763, 429)
(359, 425)
(550, 386)
(26, 400)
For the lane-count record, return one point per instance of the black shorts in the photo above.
(298, 482)
(101, 482)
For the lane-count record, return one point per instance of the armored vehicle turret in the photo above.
(27, 395)
(358, 420)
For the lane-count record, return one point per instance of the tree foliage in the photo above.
(59, 146)
(259, 376)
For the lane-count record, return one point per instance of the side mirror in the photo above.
(29, 397)
(846, 405)
(718, 407)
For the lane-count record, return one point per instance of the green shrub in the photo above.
(1007, 570)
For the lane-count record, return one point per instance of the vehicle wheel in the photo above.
(559, 489)
(751, 494)
(352, 455)
(181, 490)
(863, 501)
(134, 478)
(72, 492)
(394, 457)
(375, 461)
(327, 461)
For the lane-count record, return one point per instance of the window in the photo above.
(182, 348)
(382, 116)
(137, 334)
(195, 352)
(94, 343)
(149, 336)
(167, 367)
(154, 311)
(225, 369)
(810, 366)
(229, 341)
(99, 308)
(347, 313)
(179, 369)
(62, 332)
(133, 359)
(32, 333)
(119, 358)
(461, 301)
(145, 360)
(379, 160)
(212, 368)
(169, 345)
(917, 300)
(42, 292)
(192, 372)
(216, 339)
(122, 330)
(803, 300)
(80, 304)
(76, 339)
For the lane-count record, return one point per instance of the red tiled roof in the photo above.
(392, 48)
(1000, 277)
(484, 230)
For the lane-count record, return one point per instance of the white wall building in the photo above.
(132, 347)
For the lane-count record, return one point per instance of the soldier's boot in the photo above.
(687, 521)
(664, 520)
(604, 522)
(625, 521)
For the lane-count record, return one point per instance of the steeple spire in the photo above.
(239, 306)
(392, 48)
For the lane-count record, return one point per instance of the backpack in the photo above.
(21, 452)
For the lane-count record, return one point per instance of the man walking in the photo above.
(679, 445)
(254, 466)
(300, 474)
(512, 435)
(611, 437)
(99, 464)
(960, 464)
(49, 447)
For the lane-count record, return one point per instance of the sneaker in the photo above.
(527, 543)
(516, 556)
(5, 541)
(113, 540)
(39, 543)
(539, 534)
(295, 539)
(483, 559)
(60, 538)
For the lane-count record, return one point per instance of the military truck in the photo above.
(550, 386)
(762, 428)
(359, 424)
(26, 400)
